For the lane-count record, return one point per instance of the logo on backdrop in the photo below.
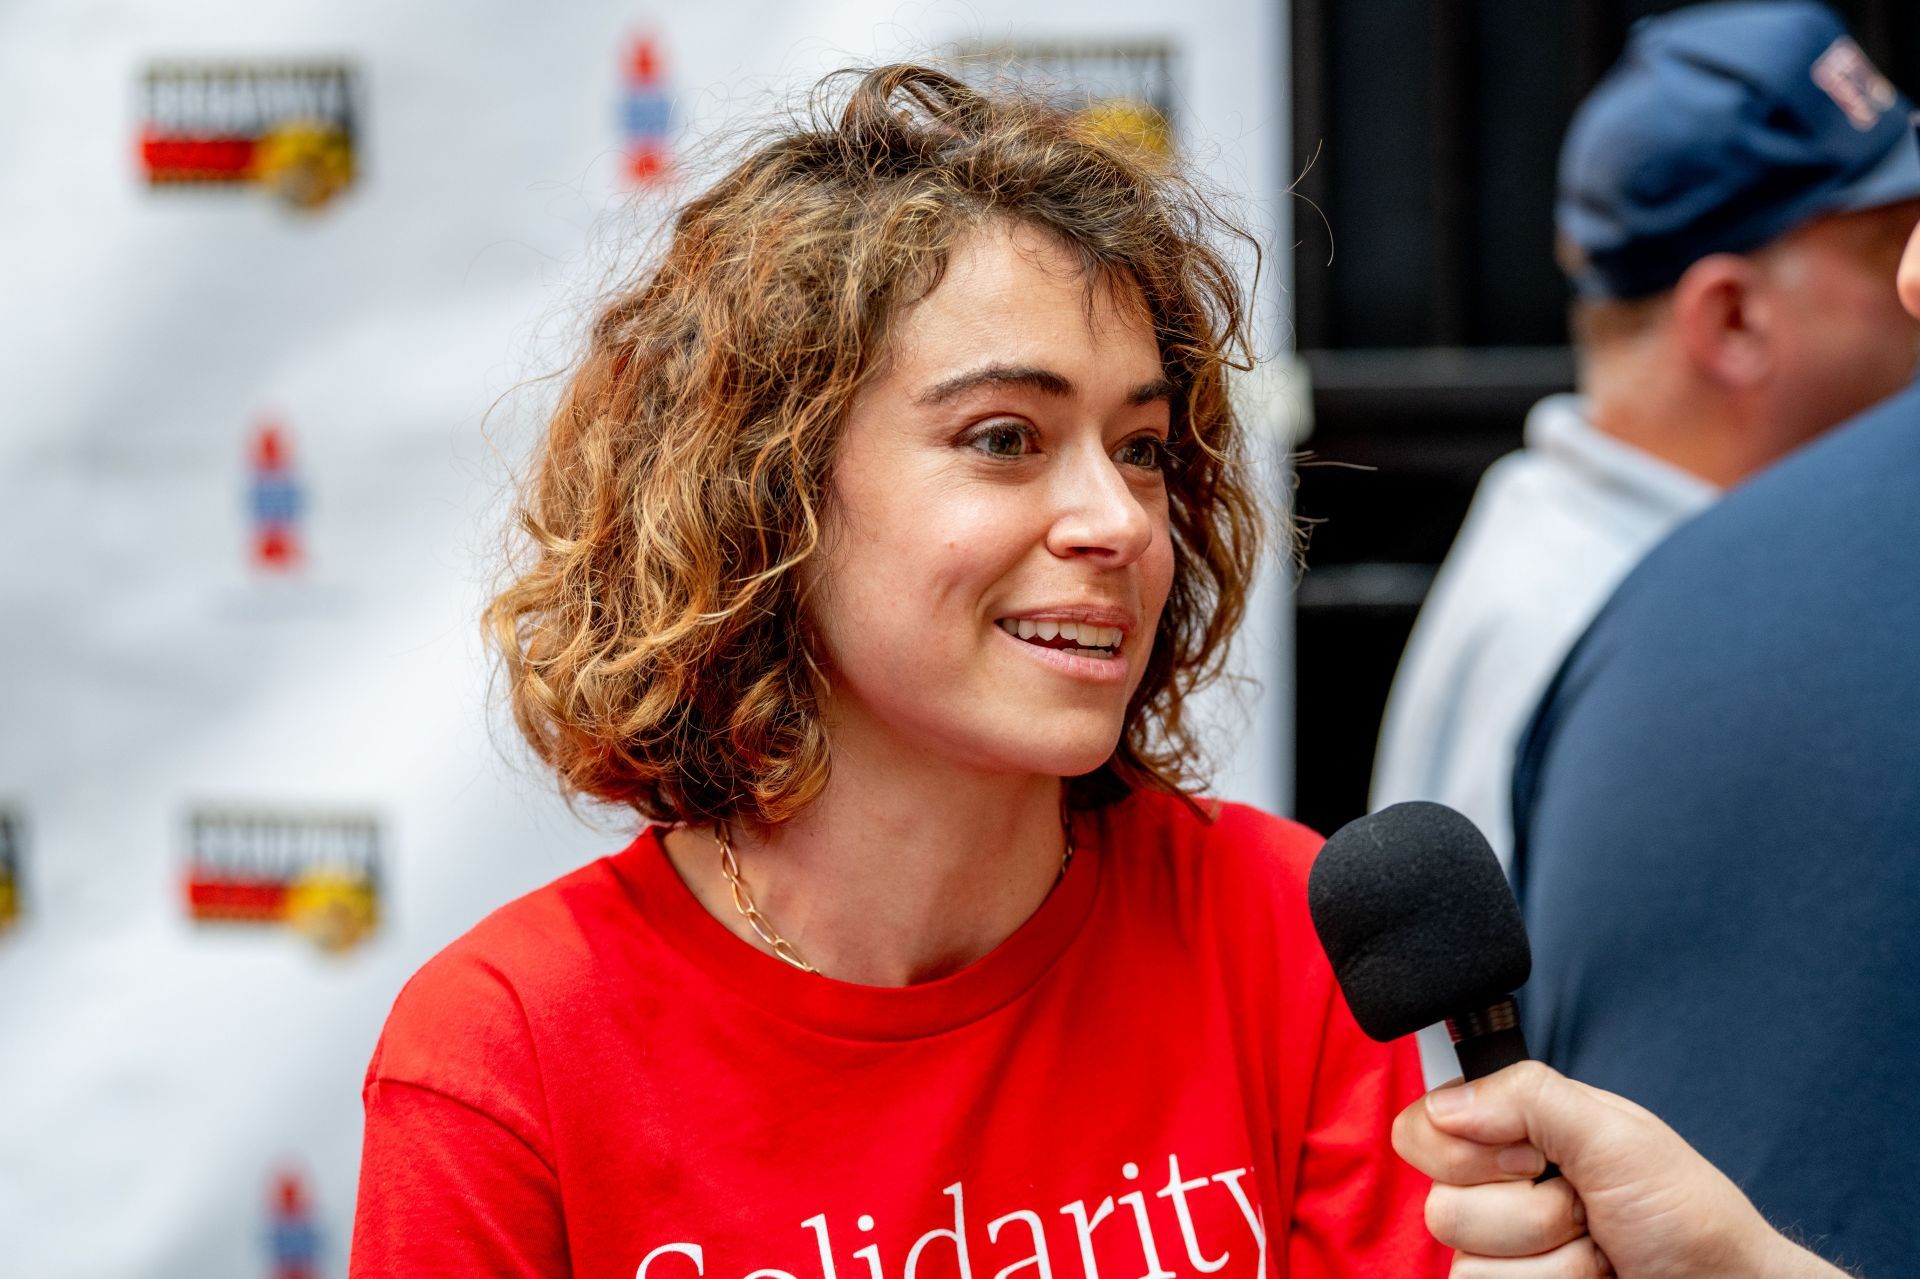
(315, 873)
(286, 127)
(293, 1233)
(1124, 91)
(11, 841)
(646, 113)
(274, 500)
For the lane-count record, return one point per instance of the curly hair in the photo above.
(654, 632)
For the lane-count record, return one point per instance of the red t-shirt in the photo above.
(1155, 1076)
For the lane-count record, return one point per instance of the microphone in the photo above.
(1417, 918)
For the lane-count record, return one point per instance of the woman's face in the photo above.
(998, 553)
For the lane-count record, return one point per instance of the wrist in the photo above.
(1777, 1257)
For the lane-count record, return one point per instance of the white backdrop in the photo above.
(298, 735)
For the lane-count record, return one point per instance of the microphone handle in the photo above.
(1489, 1039)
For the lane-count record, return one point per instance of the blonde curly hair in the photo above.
(654, 632)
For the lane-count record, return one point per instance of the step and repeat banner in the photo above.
(278, 287)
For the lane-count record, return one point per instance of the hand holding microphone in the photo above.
(1420, 926)
(1654, 1208)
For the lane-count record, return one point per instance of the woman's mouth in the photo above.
(1082, 639)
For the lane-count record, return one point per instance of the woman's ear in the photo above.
(1728, 319)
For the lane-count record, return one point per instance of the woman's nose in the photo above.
(1098, 512)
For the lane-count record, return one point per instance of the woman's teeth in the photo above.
(1082, 638)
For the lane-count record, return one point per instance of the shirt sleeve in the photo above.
(1359, 1208)
(448, 1190)
(456, 1171)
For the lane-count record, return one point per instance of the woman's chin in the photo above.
(1068, 758)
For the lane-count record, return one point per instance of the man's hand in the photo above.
(1633, 1198)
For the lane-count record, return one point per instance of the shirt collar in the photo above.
(1558, 427)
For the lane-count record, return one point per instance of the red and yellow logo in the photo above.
(318, 874)
(1121, 93)
(287, 127)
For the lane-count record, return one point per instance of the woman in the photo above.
(882, 534)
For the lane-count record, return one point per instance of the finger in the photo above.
(1488, 1110)
(1533, 1103)
(1578, 1259)
(1455, 1160)
(1508, 1219)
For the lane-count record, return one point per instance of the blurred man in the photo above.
(1733, 199)
(1718, 820)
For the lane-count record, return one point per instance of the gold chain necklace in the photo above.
(763, 928)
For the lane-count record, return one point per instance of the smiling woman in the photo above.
(686, 481)
(886, 526)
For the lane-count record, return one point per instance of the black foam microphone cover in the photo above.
(1419, 923)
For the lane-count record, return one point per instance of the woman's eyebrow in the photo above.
(1032, 378)
(1045, 381)
(1158, 389)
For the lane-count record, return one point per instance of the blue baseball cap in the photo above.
(1722, 127)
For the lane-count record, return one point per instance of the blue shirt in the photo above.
(1717, 818)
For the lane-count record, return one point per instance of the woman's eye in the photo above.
(1003, 439)
(1146, 451)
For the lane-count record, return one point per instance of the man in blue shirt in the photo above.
(1732, 199)
(1718, 810)
(1717, 818)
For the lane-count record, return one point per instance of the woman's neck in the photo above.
(903, 871)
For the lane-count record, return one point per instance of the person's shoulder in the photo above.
(1706, 647)
(1530, 492)
(1525, 566)
(475, 1001)
(1509, 500)
(1223, 880)
(1834, 510)
(1878, 447)
(1213, 845)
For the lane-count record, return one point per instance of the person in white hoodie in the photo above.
(1733, 200)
